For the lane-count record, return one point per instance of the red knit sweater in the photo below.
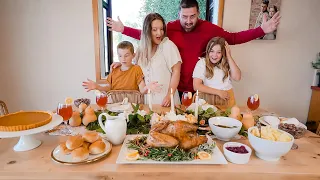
(193, 44)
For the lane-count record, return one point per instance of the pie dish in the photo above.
(24, 120)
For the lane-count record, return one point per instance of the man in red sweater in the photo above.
(191, 35)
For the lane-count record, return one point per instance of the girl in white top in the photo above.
(213, 74)
(159, 59)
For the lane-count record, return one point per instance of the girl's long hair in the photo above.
(222, 64)
(143, 55)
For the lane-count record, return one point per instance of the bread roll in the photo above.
(86, 145)
(90, 136)
(63, 149)
(74, 142)
(80, 154)
(97, 147)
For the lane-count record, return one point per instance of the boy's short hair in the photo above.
(126, 45)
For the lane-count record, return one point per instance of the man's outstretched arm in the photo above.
(119, 27)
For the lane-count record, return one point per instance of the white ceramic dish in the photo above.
(27, 141)
(272, 121)
(236, 158)
(269, 150)
(292, 121)
(59, 157)
(262, 121)
(224, 134)
(118, 107)
(217, 156)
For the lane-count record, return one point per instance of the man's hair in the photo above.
(266, 2)
(189, 4)
(126, 45)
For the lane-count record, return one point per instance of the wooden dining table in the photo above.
(302, 163)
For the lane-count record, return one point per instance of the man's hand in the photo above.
(115, 25)
(271, 25)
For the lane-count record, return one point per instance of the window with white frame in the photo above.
(132, 13)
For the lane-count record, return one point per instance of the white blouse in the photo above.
(216, 81)
(160, 69)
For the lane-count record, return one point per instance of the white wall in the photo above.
(279, 71)
(46, 51)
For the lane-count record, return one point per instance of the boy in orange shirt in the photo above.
(125, 77)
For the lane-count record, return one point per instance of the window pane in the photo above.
(128, 11)
(105, 40)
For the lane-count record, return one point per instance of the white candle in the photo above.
(149, 99)
(197, 106)
(172, 102)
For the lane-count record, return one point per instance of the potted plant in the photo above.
(316, 66)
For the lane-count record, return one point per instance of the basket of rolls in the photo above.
(81, 149)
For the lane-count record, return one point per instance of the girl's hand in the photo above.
(115, 65)
(228, 51)
(166, 101)
(154, 87)
(89, 85)
(223, 94)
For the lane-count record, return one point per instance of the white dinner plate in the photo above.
(59, 157)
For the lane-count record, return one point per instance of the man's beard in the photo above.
(190, 28)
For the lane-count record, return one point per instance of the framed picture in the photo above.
(260, 8)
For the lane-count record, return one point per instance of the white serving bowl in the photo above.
(236, 158)
(224, 134)
(267, 149)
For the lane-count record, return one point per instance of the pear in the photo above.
(247, 120)
(75, 120)
(89, 116)
(82, 107)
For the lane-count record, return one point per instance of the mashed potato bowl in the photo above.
(269, 150)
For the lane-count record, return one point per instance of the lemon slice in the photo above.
(189, 95)
(97, 92)
(256, 97)
(68, 100)
(132, 155)
(204, 155)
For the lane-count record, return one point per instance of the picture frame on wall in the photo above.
(260, 8)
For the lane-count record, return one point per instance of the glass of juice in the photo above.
(253, 102)
(65, 111)
(186, 99)
(101, 100)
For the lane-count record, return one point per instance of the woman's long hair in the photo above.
(143, 55)
(222, 64)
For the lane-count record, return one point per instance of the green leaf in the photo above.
(141, 118)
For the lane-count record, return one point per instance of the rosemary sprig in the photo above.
(165, 154)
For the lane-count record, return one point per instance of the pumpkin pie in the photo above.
(20, 121)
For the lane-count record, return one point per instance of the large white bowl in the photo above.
(236, 158)
(224, 134)
(269, 150)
